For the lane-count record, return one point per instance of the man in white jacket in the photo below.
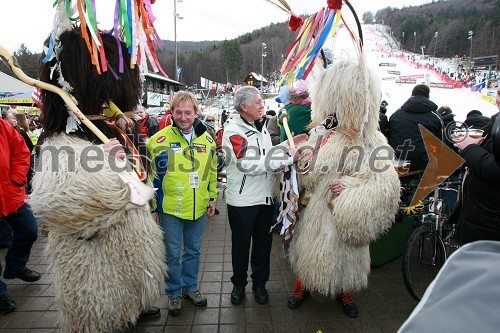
(252, 160)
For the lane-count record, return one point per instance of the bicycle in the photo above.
(430, 243)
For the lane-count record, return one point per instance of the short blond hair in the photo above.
(185, 96)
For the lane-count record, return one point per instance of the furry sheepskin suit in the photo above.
(107, 255)
(330, 248)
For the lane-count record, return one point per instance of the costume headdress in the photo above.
(133, 23)
(313, 32)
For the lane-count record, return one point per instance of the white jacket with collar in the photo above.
(251, 163)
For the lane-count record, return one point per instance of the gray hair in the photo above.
(244, 95)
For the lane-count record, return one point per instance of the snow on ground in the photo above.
(460, 100)
(377, 48)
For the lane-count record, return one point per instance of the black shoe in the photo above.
(261, 295)
(277, 228)
(348, 306)
(7, 305)
(154, 312)
(298, 298)
(26, 275)
(237, 295)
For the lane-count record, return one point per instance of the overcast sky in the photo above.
(30, 21)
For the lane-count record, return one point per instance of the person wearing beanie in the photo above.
(298, 110)
(476, 120)
(404, 126)
(448, 119)
(383, 122)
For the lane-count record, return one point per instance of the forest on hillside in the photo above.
(231, 60)
(443, 27)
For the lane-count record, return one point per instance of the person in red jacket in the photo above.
(166, 120)
(148, 126)
(14, 211)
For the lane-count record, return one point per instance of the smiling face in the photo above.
(253, 111)
(184, 114)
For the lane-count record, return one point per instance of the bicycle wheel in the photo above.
(423, 258)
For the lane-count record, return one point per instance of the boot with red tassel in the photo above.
(298, 296)
(348, 306)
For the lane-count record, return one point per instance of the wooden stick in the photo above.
(67, 98)
(289, 136)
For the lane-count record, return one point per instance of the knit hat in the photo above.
(283, 96)
(444, 111)
(479, 113)
(300, 90)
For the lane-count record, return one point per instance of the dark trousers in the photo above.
(251, 224)
(5, 234)
(24, 231)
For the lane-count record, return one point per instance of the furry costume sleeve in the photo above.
(374, 213)
(366, 208)
(75, 187)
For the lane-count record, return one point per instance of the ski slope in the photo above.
(377, 49)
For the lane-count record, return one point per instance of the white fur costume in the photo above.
(107, 255)
(330, 248)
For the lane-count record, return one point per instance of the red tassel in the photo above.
(295, 22)
(334, 4)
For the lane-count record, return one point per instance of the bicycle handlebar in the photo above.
(446, 185)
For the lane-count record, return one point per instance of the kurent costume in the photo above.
(105, 250)
(107, 254)
(330, 248)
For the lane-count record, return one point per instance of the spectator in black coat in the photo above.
(383, 122)
(449, 124)
(475, 119)
(480, 213)
(223, 117)
(404, 133)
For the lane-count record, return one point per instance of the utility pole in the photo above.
(435, 45)
(263, 54)
(177, 16)
(402, 45)
(470, 56)
(414, 40)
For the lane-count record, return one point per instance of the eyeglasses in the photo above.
(210, 120)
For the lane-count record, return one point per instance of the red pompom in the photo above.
(295, 22)
(334, 4)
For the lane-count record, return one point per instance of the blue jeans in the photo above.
(25, 232)
(184, 236)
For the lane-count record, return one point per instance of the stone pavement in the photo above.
(383, 307)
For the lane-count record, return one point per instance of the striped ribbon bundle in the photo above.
(133, 22)
(314, 31)
(303, 52)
